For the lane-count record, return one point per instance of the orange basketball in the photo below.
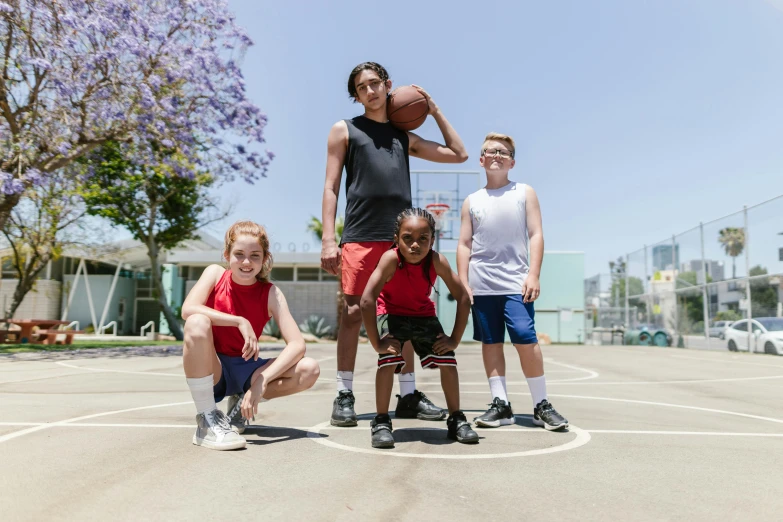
(407, 108)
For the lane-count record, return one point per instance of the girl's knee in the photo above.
(310, 370)
(198, 326)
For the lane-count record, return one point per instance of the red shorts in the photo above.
(358, 262)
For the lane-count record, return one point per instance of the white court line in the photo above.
(252, 427)
(20, 433)
(104, 370)
(651, 403)
(724, 361)
(694, 381)
(582, 438)
(591, 374)
(713, 433)
(41, 378)
(409, 428)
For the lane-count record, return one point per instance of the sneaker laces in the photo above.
(423, 398)
(217, 418)
(493, 407)
(346, 399)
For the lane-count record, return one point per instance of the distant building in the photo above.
(715, 269)
(662, 257)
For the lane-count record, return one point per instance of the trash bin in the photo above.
(638, 338)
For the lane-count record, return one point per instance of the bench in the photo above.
(9, 336)
(51, 336)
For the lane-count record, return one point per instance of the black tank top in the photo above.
(378, 180)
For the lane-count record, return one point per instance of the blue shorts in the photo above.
(236, 375)
(492, 314)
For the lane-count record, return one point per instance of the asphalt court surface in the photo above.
(656, 434)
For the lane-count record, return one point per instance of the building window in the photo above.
(307, 273)
(194, 272)
(283, 273)
(326, 276)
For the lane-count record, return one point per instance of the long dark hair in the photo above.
(419, 213)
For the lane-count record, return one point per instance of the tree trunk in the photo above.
(168, 313)
(21, 290)
(23, 287)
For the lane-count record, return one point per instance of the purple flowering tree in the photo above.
(78, 73)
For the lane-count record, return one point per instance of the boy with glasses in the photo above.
(499, 256)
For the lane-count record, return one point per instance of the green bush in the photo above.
(316, 326)
(728, 315)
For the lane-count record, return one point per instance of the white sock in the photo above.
(201, 390)
(344, 381)
(407, 383)
(537, 387)
(497, 387)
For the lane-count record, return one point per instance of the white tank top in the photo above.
(499, 254)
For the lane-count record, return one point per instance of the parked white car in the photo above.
(718, 329)
(766, 336)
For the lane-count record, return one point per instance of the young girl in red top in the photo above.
(224, 314)
(398, 297)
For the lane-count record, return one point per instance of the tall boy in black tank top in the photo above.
(375, 156)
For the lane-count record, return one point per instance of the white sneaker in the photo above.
(214, 432)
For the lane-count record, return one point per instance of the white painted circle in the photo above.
(582, 438)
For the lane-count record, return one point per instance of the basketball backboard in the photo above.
(449, 187)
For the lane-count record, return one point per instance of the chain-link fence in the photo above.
(716, 286)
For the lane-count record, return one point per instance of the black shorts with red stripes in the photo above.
(422, 332)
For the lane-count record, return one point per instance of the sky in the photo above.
(634, 120)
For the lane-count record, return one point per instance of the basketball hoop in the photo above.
(437, 210)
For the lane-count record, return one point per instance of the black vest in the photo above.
(378, 180)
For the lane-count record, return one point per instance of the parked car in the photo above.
(718, 329)
(766, 335)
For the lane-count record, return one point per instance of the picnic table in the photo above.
(47, 331)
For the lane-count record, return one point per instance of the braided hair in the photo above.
(419, 213)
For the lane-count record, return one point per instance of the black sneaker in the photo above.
(498, 414)
(416, 405)
(381, 429)
(460, 430)
(545, 415)
(343, 414)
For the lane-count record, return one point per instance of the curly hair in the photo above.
(257, 231)
(366, 66)
(423, 214)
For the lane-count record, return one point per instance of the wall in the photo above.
(99, 290)
(42, 302)
(311, 298)
(559, 310)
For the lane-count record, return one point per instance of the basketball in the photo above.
(407, 108)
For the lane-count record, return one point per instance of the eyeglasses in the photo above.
(497, 152)
(375, 84)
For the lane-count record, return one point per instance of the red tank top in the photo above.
(248, 301)
(408, 291)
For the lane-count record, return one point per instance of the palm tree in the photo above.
(317, 228)
(733, 241)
